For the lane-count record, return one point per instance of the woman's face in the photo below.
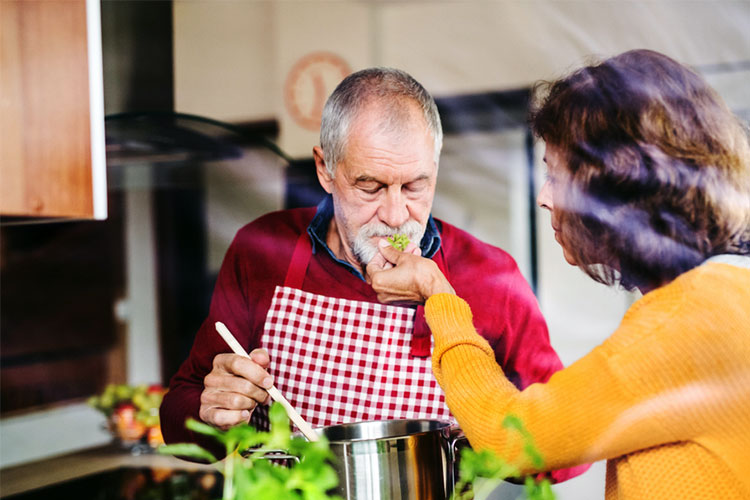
(552, 193)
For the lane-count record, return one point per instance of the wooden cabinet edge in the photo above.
(96, 111)
(29, 171)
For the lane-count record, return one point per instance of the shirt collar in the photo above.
(318, 230)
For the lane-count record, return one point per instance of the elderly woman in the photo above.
(648, 185)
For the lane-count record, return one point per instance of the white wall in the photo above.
(482, 188)
(232, 58)
(462, 47)
(237, 192)
(224, 59)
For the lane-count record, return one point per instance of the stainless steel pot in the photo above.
(395, 459)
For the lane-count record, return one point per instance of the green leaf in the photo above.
(280, 431)
(257, 478)
(191, 450)
(202, 428)
(245, 436)
(277, 415)
(546, 490)
(513, 422)
(399, 241)
(486, 464)
(534, 455)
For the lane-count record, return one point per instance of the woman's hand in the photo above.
(405, 276)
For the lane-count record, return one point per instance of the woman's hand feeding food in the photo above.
(405, 276)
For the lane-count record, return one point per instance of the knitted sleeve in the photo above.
(574, 418)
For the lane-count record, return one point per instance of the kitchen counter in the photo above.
(26, 477)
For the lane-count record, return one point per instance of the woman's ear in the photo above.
(324, 177)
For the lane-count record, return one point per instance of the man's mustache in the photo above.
(412, 229)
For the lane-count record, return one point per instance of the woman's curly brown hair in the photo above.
(658, 168)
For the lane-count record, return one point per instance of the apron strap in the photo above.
(439, 259)
(295, 274)
(420, 339)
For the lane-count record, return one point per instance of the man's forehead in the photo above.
(362, 165)
(373, 139)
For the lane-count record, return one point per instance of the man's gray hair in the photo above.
(387, 86)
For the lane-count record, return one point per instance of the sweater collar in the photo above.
(732, 259)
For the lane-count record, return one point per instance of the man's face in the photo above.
(384, 184)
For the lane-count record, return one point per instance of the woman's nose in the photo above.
(544, 198)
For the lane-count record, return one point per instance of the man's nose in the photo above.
(544, 198)
(394, 211)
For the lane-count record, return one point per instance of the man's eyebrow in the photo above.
(369, 178)
(366, 178)
(419, 178)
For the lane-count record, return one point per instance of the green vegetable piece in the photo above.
(202, 428)
(399, 241)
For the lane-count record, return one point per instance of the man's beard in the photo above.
(365, 249)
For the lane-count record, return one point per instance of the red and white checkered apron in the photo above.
(340, 361)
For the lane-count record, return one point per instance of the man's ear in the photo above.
(324, 177)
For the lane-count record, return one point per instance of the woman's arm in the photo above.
(584, 413)
(599, 407)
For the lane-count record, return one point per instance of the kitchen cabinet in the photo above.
(52, 160)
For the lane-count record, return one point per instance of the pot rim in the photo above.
(437, 426)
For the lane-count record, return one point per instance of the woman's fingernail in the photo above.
(383, 243)
(267, 382)
(245, 415)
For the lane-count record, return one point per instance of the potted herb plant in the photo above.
(311, 476)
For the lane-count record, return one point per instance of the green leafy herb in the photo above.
(257, 477)
(312, 476)
(485, 464)
(399, 241)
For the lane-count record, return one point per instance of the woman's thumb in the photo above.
(386, 249)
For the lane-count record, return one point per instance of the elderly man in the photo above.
(293, 287)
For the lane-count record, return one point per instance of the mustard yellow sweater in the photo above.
(666, 398)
